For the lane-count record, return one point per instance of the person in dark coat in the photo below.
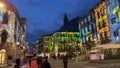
(45, 63)
(38, 60)
(17, 61)
(30, 59)
(65, 61)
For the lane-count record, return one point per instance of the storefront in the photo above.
(105, 52)
(3, 56)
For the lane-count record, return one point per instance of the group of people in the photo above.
(42, 62)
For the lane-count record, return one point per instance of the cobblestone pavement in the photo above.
(75, 64)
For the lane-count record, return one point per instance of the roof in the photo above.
(72, 26)
(9, 6)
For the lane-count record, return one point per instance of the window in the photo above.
(103, 12)
(88, 29)
(116, 33)
(92, 16)
(89, 17)
(89, 39)
(119, 2)
(85, 20)
(105, 33)
(88, 22)
(5, 18)
(92, 27)
(84, 31)
(99, 25)
(98, 15)
(113, 20)
(101, 37)
(103, 24)
(4, 36)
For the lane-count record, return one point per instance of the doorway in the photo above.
(3, 54)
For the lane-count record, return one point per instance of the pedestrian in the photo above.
(38, 60)
(17, 61)
(21, 60)
(45, 63)
(65, 61)
(58, 56)
(30, 59)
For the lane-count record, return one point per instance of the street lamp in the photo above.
(99, 38)
(17, 43)
(1, 5)
(77, 48)
(17, 52)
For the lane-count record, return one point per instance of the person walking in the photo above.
(38, 60)
(45, 63)
(65, 61)
(17, 61)
(30, 59)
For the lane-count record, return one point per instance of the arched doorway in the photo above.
(3, 56)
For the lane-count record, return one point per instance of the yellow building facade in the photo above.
(102, 24)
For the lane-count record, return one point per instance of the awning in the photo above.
(107, 46)
(111, 46)
(93, 51)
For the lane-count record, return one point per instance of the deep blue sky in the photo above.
(46, 16)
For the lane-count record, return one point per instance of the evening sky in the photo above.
(46, 16)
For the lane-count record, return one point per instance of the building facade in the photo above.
(102, 24)
(106, 18)
(64, 39)
(87, 27)
(10, 32)
(113, 11)
(39, 45)
(48, 43)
